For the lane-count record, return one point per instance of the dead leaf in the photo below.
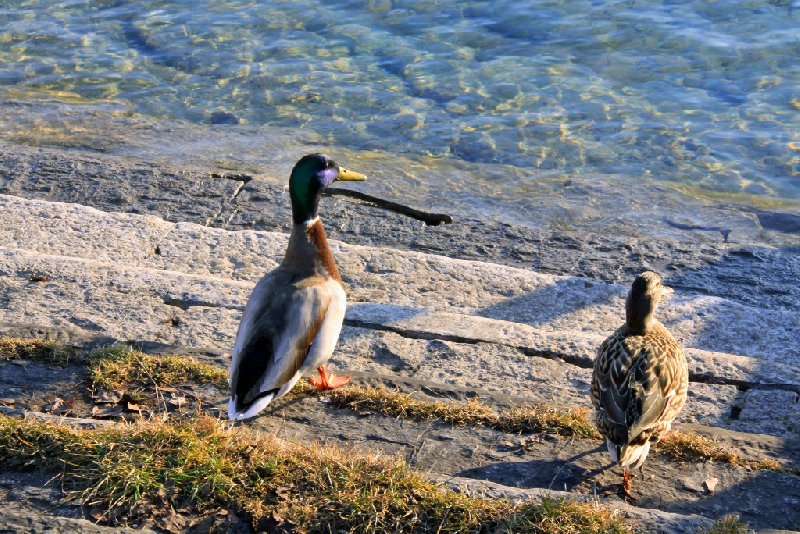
(171, 522)
(203, 524)
(710, 484)
(233, 519)
(108, 397)
(106, 413)
(177, 401)
(53, 406)
(38, 278)
(283, 492)
(161, 496)
(274, 524)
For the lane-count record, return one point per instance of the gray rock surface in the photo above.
(105, 277)
(17, 520)
(698, 262)
(457, 322)
(407, 292)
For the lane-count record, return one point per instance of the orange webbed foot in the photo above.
(627, 484)
(337, 381)
(326, 380)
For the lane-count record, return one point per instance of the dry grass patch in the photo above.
(531, 418)
(37, 350)
(202, 465)
(692, 447)
(120, 366)
(567, 517)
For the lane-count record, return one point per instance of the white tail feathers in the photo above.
(612, 450)
(251, 411)
(261, 403)
(633, 456)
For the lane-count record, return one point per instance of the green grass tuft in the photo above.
(120, 366)
(729, 524)
(37, 350)
(532, 418)
(560, 516)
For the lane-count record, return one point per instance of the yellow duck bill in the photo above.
(350, 176)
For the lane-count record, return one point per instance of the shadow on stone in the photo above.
(548, 474)
(549, 302)
(765, 499)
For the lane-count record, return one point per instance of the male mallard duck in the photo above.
(640, 378)
(294, 315)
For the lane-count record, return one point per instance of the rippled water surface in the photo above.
(702, 96)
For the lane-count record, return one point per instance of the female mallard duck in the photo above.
(294, 315)
(640, 378)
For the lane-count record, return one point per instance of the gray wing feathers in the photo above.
(614, 401)
(306, 312)
(648, 401)
(279, 324)
(263, 300)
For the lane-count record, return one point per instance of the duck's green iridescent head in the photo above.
(310, 175)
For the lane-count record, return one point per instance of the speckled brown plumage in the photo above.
(640, 377)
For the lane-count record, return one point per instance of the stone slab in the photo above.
(105, 280)
(560, 306)
(203, 311)
(18, 519)
(759, 275)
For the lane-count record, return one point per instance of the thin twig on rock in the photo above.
(430, 219)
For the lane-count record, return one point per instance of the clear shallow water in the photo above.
(481, 97)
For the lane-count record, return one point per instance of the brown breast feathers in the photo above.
(317, 235)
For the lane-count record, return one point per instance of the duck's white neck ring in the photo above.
(310, 222)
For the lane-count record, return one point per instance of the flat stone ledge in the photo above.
(756, 275)
(93, 274)
(14, 518)
(546, 302)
